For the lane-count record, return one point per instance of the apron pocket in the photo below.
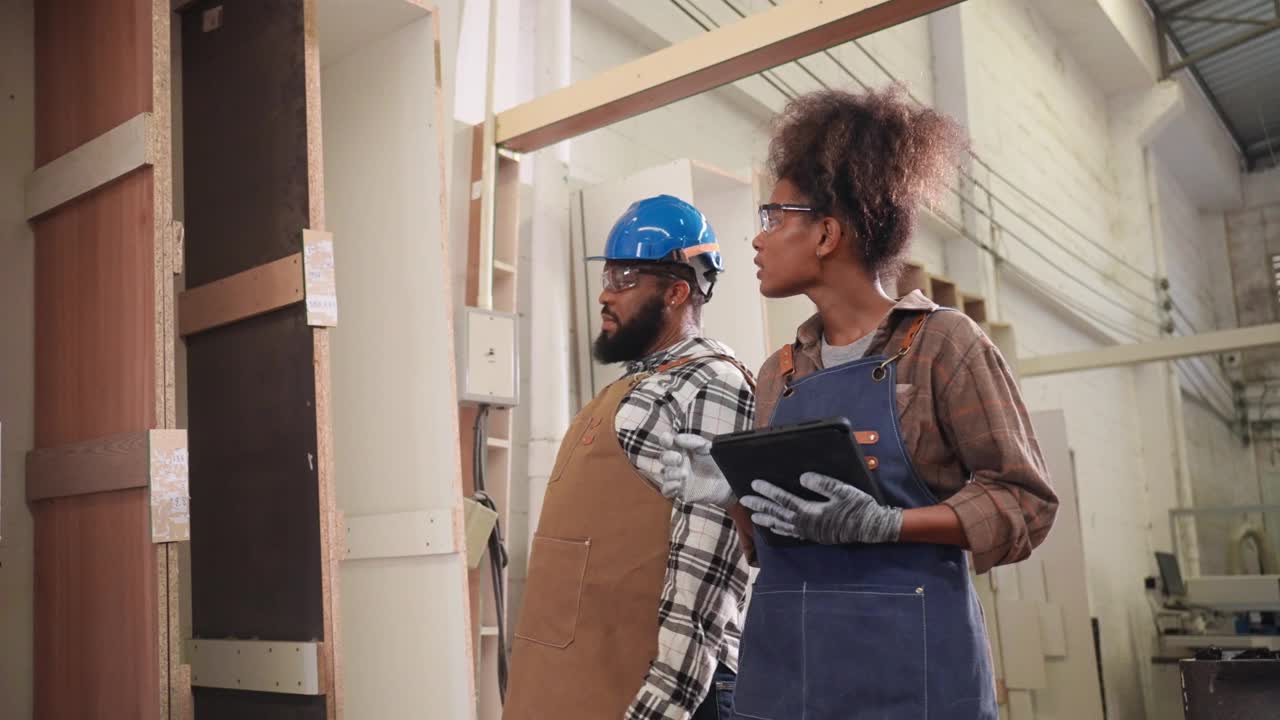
(865, 654)
(549, 615)
(768, 685)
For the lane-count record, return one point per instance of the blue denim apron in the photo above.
(889, 631)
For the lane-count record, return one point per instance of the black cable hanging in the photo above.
(496, 547)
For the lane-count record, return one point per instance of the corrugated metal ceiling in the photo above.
(1244, 81)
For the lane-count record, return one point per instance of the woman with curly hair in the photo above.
(864, 610)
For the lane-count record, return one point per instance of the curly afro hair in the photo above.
(869, 160)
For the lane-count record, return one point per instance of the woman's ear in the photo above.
(832, 236)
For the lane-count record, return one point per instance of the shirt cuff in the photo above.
(983, 523)
(652, 704)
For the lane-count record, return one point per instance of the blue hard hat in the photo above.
(666, 229)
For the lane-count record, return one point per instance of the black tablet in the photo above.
(782, 454)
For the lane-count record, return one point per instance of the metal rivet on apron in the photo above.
(919, 591)
(879, 374)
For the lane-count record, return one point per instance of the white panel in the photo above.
(275, 667)
(1024, 666)
(394, 403)
(1073, 689)
(407, 534)
(1021, 705)
(1053, 633)
(602, 205)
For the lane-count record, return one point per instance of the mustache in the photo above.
(605, 312)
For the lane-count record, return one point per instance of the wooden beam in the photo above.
(707, 61)
(111, 155)
(243, 295)
(154, 459)
(1210, 343)
(117, 462)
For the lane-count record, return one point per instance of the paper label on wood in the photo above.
(320, 282)
(170, 496)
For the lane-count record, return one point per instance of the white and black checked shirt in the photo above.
(700, 609)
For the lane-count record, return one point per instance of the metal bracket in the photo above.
(265, 666)
(397, 535)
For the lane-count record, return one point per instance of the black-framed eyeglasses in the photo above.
(772, 214)
(616, 278)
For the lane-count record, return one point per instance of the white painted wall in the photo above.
(17, 357)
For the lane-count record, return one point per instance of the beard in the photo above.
(632, 340)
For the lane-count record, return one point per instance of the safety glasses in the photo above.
(772, 214)
(616, 278)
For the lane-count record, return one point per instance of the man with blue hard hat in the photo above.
(633, 603)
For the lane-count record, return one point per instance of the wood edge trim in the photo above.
(91, 165)
(124, 461)
(246, 294)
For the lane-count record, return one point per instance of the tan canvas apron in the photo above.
(588, 626)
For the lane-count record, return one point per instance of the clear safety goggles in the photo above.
(772, 214)
(616, 278)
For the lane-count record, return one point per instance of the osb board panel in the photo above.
(93, 70)
(95, 307)
(96, 637)
(255, 506)
(245, 131)
(233, 705)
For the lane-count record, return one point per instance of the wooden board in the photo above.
(243, 295)
(98, 370)
(257, 388)
(404, 620)
(116, 462)
(117, 152)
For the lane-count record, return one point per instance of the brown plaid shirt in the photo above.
(963, 424)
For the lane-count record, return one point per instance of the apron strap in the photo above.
(879, 373)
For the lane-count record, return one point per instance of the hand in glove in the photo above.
(847, 516)
(690, 473)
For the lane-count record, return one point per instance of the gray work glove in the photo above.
(690, 473)
(848, 516)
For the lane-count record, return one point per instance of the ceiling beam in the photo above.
(1210, 343)
(758, 42)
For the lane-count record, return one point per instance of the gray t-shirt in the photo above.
(833, 355)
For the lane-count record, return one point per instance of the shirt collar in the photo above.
(689, 347)
(809, 334)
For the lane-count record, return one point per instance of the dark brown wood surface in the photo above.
(260, 559)
(245, 132)
(257, 706)
(255, 537)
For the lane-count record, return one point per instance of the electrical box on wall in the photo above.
(488, 370)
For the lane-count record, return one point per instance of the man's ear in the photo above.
(677, 293)
(832, 236)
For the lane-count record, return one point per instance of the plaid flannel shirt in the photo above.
(700, 608)
(963, 423)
